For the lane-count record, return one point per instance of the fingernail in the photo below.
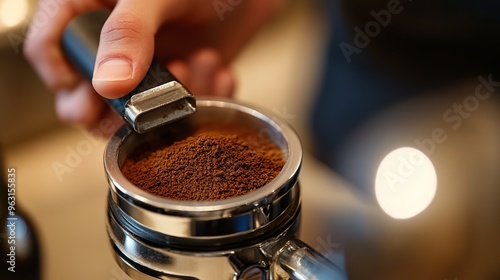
(114, 69)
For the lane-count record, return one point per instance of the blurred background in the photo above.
(357, 80)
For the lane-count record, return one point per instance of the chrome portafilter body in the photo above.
(251, 236)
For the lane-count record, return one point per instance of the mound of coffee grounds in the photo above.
(212, 164)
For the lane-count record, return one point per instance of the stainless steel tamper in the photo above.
(159, 99)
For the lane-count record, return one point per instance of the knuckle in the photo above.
(52, 81)
(32, 48)
(62, 111)
(120, 27)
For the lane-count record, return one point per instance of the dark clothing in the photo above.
(382, 52)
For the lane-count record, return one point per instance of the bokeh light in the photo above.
(13, 12)
(406, 183)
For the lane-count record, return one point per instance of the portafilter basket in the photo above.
(251, 236)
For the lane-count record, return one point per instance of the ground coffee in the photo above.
(214, 163)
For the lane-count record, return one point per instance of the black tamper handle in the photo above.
(159, 99)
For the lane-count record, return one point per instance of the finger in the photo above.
(221, 81)
(127, 44)
(42, 42)
(81, 105)
(107, 125)
(225, 28)
(224, 83)
(180, 70)
(203, 66)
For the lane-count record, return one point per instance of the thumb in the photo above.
(126, 48)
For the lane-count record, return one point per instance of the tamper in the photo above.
(159, 99)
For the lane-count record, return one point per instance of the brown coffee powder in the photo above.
(214, 163)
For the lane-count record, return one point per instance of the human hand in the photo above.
(187, 35)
